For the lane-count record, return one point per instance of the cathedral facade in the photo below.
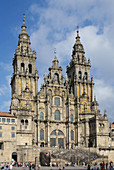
(63, 114)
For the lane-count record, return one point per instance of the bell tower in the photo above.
(81, 87)
(79, 73)
(24, 85)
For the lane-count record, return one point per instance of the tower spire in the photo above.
(78, 37)
(23, 26)
(55, 61)
(23, 36)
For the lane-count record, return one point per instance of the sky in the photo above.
(52, 24)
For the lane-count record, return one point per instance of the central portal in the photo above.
(57, 139)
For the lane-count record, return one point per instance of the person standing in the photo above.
(11, 166)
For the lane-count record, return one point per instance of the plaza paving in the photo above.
(53, 168)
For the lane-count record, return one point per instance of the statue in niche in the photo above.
(56, 78)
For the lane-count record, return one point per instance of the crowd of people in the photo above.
(9, 166)
(101, 166)
(30, 166)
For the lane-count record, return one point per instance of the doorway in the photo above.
(14, 156)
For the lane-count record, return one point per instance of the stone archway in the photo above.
(57, 138)
(14, 156)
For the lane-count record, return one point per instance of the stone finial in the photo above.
(91, 78)
(55, 57)
(45, 78)
(23, 26)
(78, 37)
(105, 114)
(89, 61)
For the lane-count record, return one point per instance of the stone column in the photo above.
(87, 89)
(17, 88)
(21, 85)
(86, 132)
(75, 86)
(92, 84)
(36, 82)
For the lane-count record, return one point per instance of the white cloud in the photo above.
(105, 96)
(99, 49)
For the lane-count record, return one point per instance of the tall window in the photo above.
(41, 134)
(1, 145)
(41, 116)
(57, 101)
(0, 134)
(30, 68)
(78, 58)
(72, 135)
(82, 58)
(57, 115)
(21, 48)
(0, 127)
(71, 117)
(80, 75)
(85, 76)
(22, 67)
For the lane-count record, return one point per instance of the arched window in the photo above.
(22, 122)
(41, 134)
(72, 135)
(80, 75)
(22, 67)
(53, 132)
(57, 101)
(30, 68)
(71, 117)
(57, 115)
(60, 132)
(56, 77)
(85, 76)
(26, 122)
(41, 116)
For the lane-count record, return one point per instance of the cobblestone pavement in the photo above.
(53, 168)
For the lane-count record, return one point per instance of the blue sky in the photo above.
(52, 24)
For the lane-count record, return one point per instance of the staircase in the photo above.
(78, 155)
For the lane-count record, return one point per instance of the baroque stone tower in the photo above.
(24, 85)
(81, 86)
